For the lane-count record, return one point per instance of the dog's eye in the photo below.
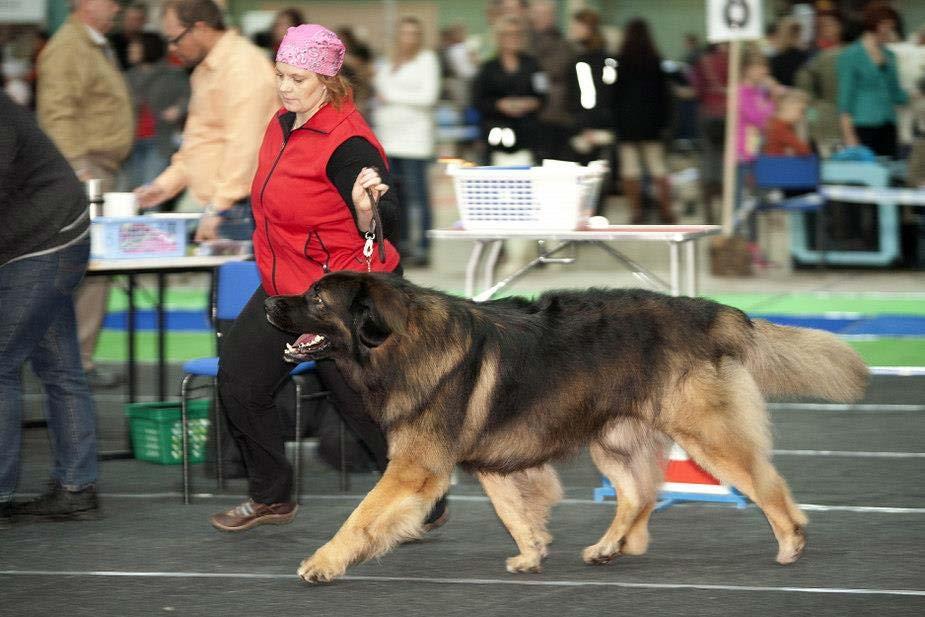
(318, 301)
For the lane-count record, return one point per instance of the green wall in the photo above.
(469, 12)
(58, 11)
(670, 19)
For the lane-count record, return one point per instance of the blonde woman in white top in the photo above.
(407, 85)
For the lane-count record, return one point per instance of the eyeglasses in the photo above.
(176, 40)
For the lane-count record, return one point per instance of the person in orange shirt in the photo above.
(233, 97)
(781, 137)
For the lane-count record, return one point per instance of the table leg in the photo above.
(638, 270)
(675, 258)
(472, 265)
(130, 318)
(161, 338)
(491, 262)
(690, 247)
(487, 294)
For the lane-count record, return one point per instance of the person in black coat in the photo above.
(593, 77)
(642, 113)
(508, 92)
(44, 247)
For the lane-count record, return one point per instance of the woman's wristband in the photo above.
(211, 210)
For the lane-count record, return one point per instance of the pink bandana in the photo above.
(313, 48)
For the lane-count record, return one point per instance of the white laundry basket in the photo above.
(546, 198)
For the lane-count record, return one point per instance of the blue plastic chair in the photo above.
(793, 173)
(234, 285)
(787, 172)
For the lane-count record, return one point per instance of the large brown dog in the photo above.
(503, 387)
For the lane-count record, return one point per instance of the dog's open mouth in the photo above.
(306, 347)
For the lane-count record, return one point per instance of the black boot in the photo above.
(6, 514)
(59, 504)
(439, 515)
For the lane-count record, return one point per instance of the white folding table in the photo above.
(675, 236)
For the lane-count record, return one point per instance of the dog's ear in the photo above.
(379, 310)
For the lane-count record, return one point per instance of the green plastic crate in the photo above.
(157, 436)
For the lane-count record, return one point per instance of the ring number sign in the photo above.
(733, 20)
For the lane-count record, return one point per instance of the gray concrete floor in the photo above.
(857, 473)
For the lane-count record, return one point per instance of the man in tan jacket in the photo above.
(85, 107)
(233, 98)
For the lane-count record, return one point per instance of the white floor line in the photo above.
(860, 509)
(841, 407)
(483, 499)
(517, 582)
(849, 454)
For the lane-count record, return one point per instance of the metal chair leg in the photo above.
(184, 429)
(219, 470)
(297, 465)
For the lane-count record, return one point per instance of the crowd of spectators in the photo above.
(587, 90)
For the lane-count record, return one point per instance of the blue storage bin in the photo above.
(134, 237)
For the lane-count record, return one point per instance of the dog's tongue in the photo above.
(306, 339)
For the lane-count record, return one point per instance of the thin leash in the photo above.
(375, 234)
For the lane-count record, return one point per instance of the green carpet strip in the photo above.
(883, 351)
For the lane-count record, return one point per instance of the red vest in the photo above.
(302, 223)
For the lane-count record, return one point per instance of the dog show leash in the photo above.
(375, 229)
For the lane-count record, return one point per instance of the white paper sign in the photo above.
(734, 20)
(22, 11)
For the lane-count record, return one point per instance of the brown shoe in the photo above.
(250, 514)
(440, 521)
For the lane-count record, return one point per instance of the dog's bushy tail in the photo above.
(788, 361)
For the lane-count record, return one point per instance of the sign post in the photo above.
(732, 21)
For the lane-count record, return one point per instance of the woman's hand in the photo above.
(368, 178)
(208, 227)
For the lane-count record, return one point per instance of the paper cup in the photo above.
(119, 204)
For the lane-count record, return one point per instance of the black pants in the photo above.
(881, 139)
(251, 368)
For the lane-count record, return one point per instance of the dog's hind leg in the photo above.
(525, 520)
(392, 511)
(728, 436)
(628, 454)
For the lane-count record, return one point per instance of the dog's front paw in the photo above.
(525, 562)
(601, 553)
(320, 569)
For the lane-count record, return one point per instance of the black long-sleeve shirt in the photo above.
(342, 170)
(494, 83)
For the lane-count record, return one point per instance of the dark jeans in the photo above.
(237, 222)
(251, 368)
(414, 197)
(37, 324)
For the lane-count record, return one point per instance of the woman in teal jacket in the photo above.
(868, 85)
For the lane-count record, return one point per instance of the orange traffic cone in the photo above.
(685, 480)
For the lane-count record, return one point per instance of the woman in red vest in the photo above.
(311, 211)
